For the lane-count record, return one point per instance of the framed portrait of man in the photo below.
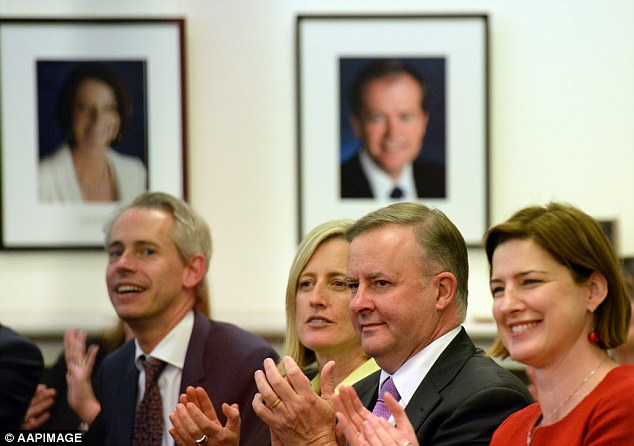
(393, 108)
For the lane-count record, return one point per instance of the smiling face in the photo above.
(323, 318)
(540, 311)
(96, 119)
(392, 124)
(146, 277)
(394, 299)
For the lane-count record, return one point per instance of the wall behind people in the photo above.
(561, 108)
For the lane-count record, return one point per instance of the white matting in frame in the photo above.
(26, 221)
(322, 41)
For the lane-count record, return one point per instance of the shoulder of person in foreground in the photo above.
(230, 358)
(21, 368)
(468, 396)
(238, 345)
(612, 417)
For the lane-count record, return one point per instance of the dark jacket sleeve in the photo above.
(223, 358)
(21, 368)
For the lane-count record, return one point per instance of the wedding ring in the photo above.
(79, 362)
(276, 403)
(202, 440)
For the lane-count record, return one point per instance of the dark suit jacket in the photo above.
(462, 400)
(429, 179)
(221, 358)
(21, 367)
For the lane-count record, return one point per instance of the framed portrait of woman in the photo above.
(93, 114)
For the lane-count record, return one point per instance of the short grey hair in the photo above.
(191, 233)
(440, 241)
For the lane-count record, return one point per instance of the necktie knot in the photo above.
(397, 192)
(380, 408)
(153, 369)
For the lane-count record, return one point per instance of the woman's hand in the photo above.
(79, 368)
(295, 414)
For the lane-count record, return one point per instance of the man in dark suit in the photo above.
(21, 367)
(159, 251)
(408, 272)
(390, 116)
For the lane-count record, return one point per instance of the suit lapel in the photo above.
(428, 394)
(193, 368)
(124, 395)
(368, 389)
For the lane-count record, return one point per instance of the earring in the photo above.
(593, 337)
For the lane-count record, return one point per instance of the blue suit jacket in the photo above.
(221, 358)
(463, 398)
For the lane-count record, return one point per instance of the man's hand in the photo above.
(196, 418)
(38, 412)
(361, 427)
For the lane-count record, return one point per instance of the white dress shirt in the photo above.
(172, 350)
(382, 184)
(409, 376)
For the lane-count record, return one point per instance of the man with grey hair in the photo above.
(408, 272)
(159, 251)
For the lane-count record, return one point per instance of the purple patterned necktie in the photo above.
(380, 408)
(148, 419)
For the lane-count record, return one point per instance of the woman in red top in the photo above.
(560, 302)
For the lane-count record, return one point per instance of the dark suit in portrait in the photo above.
(221, 358)
(21, 368)
(428, 177)
(462, 399)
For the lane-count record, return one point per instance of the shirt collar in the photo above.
(173, 348)
(409, 376)
(382, 184)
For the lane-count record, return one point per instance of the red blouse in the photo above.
(604, 417)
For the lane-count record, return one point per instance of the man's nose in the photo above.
(359, 301)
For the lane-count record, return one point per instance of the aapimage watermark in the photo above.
(48, 437)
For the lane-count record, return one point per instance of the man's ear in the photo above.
(357, 127)
(446, 285)
(426, 120)
(195, 270)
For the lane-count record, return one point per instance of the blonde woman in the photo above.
(318, 327)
